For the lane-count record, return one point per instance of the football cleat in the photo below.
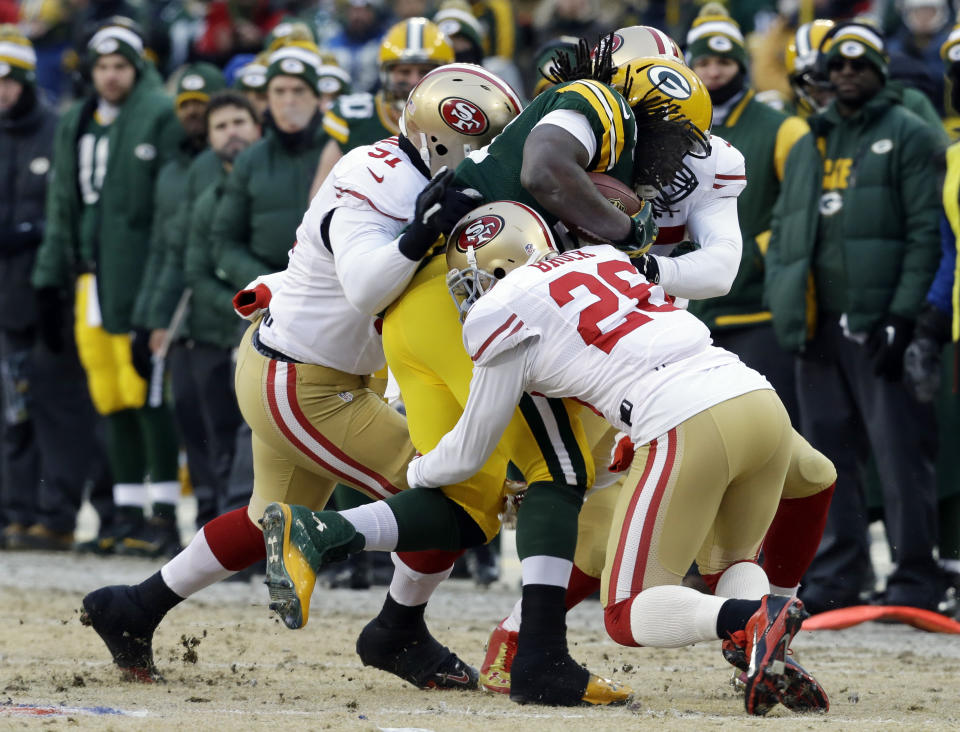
(767, 642)
(495, 669)
(415, 656)
(299, 542)
(803, 693)
(553, 678)
(125, 627)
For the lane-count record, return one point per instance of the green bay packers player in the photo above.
(533, 157)
(409, 50)
(302, 384)
(714, 435)
(700, 205)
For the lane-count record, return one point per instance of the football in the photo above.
(619, 194)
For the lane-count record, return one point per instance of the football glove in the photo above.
(643, 232)
(921, 360)
(648, 267)
(439, 207)
(887, 344)
(140, 353)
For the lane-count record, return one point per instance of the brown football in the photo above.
(619, 194)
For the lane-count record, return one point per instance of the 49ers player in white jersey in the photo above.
(700, 207)
(303, 381)
(587, 325)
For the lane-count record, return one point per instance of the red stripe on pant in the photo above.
(235, 540)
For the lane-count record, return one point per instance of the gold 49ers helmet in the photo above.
(412, 41)
(490, 242)
(454, 110)
(642, 41)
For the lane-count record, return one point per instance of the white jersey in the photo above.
(707, 216)
(584, 325)
(345, 269)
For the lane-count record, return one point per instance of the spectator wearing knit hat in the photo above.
(108, 151)
(858, 219)
(251, 79)
(49, 444)
(739, 321)
(267, 192)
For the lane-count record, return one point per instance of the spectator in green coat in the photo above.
(108, 150)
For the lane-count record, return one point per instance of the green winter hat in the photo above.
(116, 39)
(456, 19)
(715, 33)
(199, 81)
(298, 58)
(253, 76)
(18, 61)
(857, 40)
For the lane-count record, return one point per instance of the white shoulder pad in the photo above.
(730, 174)
(378, 176)
(491, 329)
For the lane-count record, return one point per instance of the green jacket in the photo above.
(765, 137)
(142, 139)
(179, 184)
(890, 218)
(264, 199)
(211, 319)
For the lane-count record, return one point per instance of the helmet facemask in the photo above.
(469, 284)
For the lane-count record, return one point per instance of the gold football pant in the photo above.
(423, 341)
(106, 357)
(808, 473)
(313, 427)
(706, 490)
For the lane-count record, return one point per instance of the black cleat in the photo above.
(159, 537)
(415, 656)
(553, 678)
(126, 629)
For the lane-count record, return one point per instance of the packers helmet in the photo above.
(800, 59)
(411, 41)
(670, 90)
(454, 110)
(490, 242)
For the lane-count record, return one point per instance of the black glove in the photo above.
(643, 232)
(887, 344)
(50, 318)
(921, 360)
(140, 353)
(439, 207)
(648, 267)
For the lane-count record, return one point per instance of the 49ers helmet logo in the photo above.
(479, 232)
(463, 116)
(669, 82)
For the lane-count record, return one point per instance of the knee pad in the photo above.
(809, 472)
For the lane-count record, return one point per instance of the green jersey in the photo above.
(495, 170)
(93, 151)
(359, 119)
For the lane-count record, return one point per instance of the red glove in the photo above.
(250, 303)
(622, 456)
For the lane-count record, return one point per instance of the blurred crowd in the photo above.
(158, 157)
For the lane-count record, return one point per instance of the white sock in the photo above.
(512, 621)
(744, 581)
(165, 491)
(546, 570)
(194, 568)
(785, 591)
(410, 587)
(670, 616)
(130, 494)
(377, 524)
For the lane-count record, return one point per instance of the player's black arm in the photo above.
(554, 172)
